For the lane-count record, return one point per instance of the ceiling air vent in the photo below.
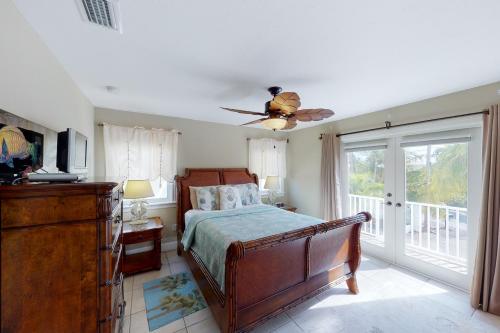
(101, 12)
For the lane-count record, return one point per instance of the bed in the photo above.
(264, 277)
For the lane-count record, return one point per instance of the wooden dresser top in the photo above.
(91, 185)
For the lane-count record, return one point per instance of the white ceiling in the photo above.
(186, 58)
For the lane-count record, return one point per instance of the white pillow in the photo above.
(207, 197)
(249, 193)
(229, 197)
(192, 197)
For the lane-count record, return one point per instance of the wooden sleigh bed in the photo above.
(267, 276)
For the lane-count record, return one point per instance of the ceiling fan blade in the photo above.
(254, 122)
(245, 112)
(313, 114)
(286, 102)
(291, 123)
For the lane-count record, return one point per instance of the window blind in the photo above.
(365, 145)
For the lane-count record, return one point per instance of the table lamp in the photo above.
(138, 190)
(272, 184)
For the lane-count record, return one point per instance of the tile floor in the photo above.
(391, 299)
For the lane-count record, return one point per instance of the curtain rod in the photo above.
(102, 124)
(287, 140)
(389, 125)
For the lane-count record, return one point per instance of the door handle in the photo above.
(389, 203)
(398, 204)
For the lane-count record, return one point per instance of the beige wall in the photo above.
(34, 85)
(305, 148)
(202, 144)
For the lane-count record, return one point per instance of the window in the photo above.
(138, 153)
(267, 157)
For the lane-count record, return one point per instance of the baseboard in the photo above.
(168, 246)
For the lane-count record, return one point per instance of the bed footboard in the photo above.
(267, 276)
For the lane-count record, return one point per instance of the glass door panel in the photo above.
(436, 204)
(366, 186)
(433, 210)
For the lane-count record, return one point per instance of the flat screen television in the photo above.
(72, 152)
(21, 150)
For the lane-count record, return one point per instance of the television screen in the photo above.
(21, 149)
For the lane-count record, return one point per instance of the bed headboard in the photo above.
(206, 177)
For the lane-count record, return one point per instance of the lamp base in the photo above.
(138, 210)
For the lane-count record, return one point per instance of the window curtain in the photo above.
(330, 177)
(138, 153)
(267, 157)
(485, 293)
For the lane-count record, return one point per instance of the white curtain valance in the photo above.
(267, 157)
(138, 153)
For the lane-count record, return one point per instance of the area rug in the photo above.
(170, 298)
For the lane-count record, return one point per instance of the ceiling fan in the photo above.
(282, 111)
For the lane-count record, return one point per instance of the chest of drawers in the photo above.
(61, 257)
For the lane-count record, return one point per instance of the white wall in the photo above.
(201, 145)
(305, 148)
(34, 85)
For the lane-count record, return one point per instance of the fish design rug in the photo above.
(170, 298)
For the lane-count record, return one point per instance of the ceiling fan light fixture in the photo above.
(274, 123)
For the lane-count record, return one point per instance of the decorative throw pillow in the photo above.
(250, 194)
(229, 197)
(192, 197)
(207, 197)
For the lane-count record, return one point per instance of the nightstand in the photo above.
(134, 234)
(288, 208)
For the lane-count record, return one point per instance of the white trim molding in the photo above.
(153, 205)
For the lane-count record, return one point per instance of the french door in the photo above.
(423, 193)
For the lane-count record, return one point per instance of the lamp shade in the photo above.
(136, 189)
(274, 123)
(272, 183)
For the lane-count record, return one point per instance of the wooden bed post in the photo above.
(352, 283)
(235, 252)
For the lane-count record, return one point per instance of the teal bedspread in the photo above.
(209, 233)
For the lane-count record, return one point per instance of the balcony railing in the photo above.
(436, 229)
(439, 229)
(374, 205)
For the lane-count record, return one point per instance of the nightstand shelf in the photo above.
(134, 234)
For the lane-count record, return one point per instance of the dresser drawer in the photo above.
(116, 229)
(47, 210)
(116, 197)
(111, 265)
(112, 288)
(110, 231)
(118, 321)
(117, 292)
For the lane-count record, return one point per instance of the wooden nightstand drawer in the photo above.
(143, 236)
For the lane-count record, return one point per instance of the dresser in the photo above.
(61, 251)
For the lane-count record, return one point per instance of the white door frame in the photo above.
(394, 232)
